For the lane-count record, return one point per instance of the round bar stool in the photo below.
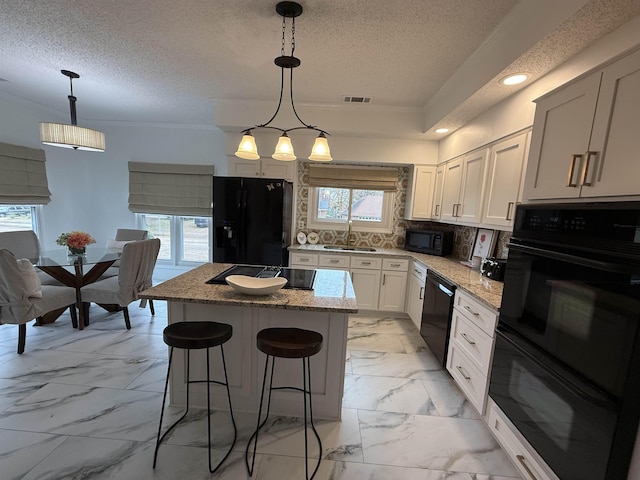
(192, 336)
(287, 343)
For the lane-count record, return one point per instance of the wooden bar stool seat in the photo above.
(287, 343)
(195, 336)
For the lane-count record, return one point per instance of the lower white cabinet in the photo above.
(524, 457)
(471, 347)
(366, 284)
(415, 292)
(393, 285)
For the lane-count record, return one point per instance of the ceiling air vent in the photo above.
(357, 99)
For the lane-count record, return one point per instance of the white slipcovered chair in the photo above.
(135, 275)
(16, 304)
(25, 244)
(122, 235)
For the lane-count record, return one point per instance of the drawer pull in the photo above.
(303, 259)
(334, 260)
(468, 309)
(365, 263)
(463, 373)
(522, 461)
(470, 342)
(395, 264)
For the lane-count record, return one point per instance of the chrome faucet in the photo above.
(349, 234)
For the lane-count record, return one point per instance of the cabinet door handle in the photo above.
(436, 212)
(522, 461)
(585, 170)
(572, 167)
(509, 207)
(470, 342)
(453, 210)
(468, 309)
(421, 294)
(463, 373)
(384, 276)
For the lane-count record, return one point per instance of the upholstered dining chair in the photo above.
(135, 275)
(23, 300)
(123, 235)
(25, 244)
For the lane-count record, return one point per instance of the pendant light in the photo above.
(284, 149)
(71, 136)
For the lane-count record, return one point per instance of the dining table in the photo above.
(74, 270)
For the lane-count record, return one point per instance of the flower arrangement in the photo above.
(75, 241)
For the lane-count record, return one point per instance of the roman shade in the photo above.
(23, 176)
(169, 189)
(343, 176)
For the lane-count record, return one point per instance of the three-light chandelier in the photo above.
(284, 149)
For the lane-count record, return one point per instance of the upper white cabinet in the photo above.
(436, 213)
(463, 189)
(420, 192)
(264, 167)
(585, 138)
(505, 171)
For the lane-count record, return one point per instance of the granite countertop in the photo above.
(470, 280)
(333, 292)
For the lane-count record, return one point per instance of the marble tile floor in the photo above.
(85, 405)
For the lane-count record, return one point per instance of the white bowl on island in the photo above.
(255, 286)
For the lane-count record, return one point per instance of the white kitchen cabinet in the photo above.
(436, 213)
(393, 285)
(463, 188)
(264, 167)
(530, 465)
(585, 136)
(415, 292)
(420, 192)
(303, 260)
(504, 186)
(471, 346)
(366, 285)
(333, 262)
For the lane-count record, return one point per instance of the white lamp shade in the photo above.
(320, 151)
(71, 136)
(284, 149)
(247, 148)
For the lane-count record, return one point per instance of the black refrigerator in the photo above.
(251, 220)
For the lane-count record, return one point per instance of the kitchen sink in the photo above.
(351, 249)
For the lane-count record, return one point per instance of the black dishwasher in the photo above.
(436, 315)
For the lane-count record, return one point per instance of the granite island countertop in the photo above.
(333, 292)
(487, 290)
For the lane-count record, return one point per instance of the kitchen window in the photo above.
(333, 208)
(364, 196)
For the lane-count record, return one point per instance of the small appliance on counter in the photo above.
(493, 268)
(431, 242)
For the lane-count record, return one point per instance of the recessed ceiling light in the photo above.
(442, 130)
(514, 79)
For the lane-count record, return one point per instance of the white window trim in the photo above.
(386, 226)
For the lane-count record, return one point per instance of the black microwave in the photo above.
(431, 242)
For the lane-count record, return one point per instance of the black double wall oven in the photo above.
(566, 367)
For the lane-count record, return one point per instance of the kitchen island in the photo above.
(325, 309)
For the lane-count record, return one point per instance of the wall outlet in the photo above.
(301, 224)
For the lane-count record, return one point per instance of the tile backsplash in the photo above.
(464, 236)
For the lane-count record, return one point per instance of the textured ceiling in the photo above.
(167, 61)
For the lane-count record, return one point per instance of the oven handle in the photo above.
(593, 395)
(585, 262)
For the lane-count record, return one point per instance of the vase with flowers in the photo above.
(75, 241)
